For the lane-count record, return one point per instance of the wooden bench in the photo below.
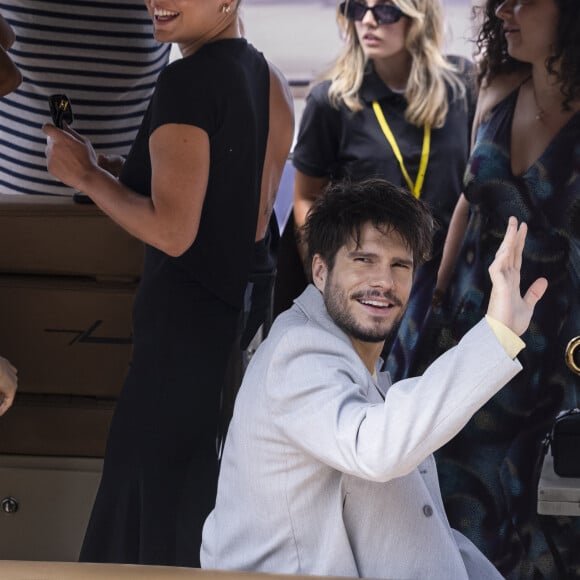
(20, 570)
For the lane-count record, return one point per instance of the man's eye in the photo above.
(362, 259)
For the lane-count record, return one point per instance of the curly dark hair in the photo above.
(345, 207)
(495, 60)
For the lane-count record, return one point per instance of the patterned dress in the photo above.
(488, 473)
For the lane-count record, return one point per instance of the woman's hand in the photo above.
(69, 156)
(8, 385)
(111, 163)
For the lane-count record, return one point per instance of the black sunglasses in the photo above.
(382, 13)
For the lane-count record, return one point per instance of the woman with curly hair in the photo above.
(392, 106)
(525, 162)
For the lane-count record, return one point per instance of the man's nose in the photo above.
(383, 278)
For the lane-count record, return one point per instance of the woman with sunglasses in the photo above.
(525, 162)
(393, 107)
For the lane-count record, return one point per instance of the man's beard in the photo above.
(337, 306)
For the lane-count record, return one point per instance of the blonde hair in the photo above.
(426, 91)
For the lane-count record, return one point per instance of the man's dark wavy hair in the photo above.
(495, 60)
(345, 207)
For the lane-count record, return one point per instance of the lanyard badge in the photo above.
(416, 187)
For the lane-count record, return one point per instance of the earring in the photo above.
(225, 8)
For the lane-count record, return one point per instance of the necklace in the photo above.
(540, 111)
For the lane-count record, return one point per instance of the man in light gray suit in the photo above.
(327, 467)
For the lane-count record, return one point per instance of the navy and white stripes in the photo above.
(101, 54)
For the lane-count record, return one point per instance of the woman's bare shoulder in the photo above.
(281, 103)
(278, 84)
(494, 91)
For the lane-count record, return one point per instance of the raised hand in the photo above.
(506, 303)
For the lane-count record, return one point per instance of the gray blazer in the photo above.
(326, 472)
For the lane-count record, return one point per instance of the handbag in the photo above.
(565, 443)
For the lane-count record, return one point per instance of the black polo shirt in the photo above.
(338, 143)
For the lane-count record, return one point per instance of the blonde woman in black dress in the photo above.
(198, 188)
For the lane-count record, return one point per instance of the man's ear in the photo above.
(319, 272)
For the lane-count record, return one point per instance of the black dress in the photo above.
(161, 465)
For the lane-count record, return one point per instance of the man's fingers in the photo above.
(519, 245)
(511, 230)
(508, 238)
(535, 292)
(512, 246)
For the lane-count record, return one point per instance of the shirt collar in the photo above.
(311, 302)
(374, 89)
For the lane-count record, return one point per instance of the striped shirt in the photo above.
(101, 54)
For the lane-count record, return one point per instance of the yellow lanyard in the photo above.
(418, 185)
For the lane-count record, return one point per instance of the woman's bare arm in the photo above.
(7, 36)
(453, 241)
(280, 135)
(306, 191)
(169, 219)
(10, 76)
(490, 94)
